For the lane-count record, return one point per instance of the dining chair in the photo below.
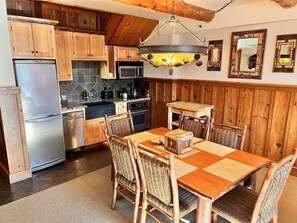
(160, 189)
(227, 135)
(199, 126)
(120, 124)
(125, 175)
(244, 205)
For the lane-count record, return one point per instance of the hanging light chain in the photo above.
(209, 12)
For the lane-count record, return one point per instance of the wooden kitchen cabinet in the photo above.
(126, 53)
(32, 40)
(94, 131)
(14, 160)
(121, 107)
(89, 46)
(119, 53)
(64, 52)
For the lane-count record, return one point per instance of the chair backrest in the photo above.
(227, 135)
(123, 157)
(199, 126)
(272, 187)
(120, 124)
(158, 177)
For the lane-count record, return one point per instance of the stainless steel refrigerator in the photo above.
(41, 107)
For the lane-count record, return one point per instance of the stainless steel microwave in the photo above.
(129, 70)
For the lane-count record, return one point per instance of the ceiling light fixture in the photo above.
(172, 55)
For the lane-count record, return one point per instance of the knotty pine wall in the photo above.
(269, 111)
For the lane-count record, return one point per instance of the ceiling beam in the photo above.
(188, 11)
(286, 3)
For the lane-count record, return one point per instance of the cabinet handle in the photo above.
(36, 51)
(32, 51)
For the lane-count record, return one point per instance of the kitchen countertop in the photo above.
(78, 106)
(117, 100)
(73, 107)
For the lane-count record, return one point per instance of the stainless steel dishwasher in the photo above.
(74, 134)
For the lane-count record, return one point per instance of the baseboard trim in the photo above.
(13, 178)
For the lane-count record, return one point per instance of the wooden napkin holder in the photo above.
(178, 141)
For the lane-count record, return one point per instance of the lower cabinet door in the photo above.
(94, 131)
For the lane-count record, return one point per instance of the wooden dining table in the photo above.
(209, 170)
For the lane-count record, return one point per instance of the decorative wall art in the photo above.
(215, 49)
(247, 52)
(285, 51)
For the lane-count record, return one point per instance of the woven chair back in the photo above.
(123, 158)
(271, 190)
(121, 127)
(120, 124)
(225, 137)
(199, 126)
(157, 179)
(270, 201)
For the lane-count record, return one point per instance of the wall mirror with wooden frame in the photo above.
(247, 52)
(285, 51)
(215, 48)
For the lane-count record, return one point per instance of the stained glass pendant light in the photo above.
(172, 55)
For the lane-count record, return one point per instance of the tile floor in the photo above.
(78, 164)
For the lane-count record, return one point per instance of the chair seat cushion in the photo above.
(237, 205)
(125, 182)
(187, 202)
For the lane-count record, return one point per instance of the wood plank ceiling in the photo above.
(120, 29)
(187, 10)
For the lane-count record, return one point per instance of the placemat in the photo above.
(214, 148)
(195, 139)
(229, 169)
(141, 137)
(181, 168)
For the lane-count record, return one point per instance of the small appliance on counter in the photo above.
(123, 93)
(106, 94)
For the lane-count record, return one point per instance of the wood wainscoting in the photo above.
(269, 111)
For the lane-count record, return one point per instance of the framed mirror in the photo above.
(215, 48)
(247, 51)
(285, 51)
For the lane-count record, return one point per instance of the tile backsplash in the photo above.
(86, 77)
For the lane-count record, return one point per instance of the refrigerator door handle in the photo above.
(43, 119)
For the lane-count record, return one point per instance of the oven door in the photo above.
(140, 119)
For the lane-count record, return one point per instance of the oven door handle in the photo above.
(138, 111)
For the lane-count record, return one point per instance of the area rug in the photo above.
(87, 199)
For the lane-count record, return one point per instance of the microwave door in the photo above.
(127, 72)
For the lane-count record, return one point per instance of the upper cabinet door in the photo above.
(64, 52)
(21, 39)
(122, 53)
(32, 40)
(43, 38)
(134, 53)
(127, 53)
(81, 45)
(97, 47)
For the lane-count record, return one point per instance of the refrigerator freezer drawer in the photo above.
(45, 142)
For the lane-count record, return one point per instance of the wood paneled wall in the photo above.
(269, 111)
